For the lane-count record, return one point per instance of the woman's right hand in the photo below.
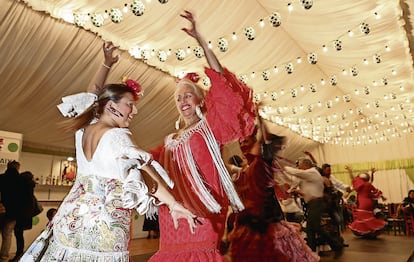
(178, 211)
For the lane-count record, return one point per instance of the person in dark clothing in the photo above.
(24, 218)
(10, 183)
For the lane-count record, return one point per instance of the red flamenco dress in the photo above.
(365, 224)
(201, 180)
(260, 232)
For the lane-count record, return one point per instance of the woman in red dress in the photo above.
(365, 224)
(192, 157)
(260, 232)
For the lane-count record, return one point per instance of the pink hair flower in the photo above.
(134, 87)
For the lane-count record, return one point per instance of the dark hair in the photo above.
(325, 166)
(110, 92)
(13, 164)
(50, 212)
(236, 160)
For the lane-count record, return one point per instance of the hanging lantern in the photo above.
(354, 71)
(307, 4)
(364, 28)
(337, 45)
(137, 8)
(162, 55)
(312, 58)
(289, 68)
(97, 20)
(266, 75)
(250, 33)
(223, 44)
(180, 54)
(333, 80)
(116, 15)
(312, 88)
(275, 19)
(198, 51)
(79, 19)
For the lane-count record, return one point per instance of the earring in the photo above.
(177, 123)
(198, 112)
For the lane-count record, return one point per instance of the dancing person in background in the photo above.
(364, 223)
(260, 232)
(114, 177)
(192, 157)
(312, 188)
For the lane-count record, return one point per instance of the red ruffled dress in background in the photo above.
(260, 232)
(202, 183)
(365, 224)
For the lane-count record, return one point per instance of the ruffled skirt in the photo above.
(365, 224)
(282, 242)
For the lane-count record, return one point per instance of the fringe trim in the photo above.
(186, 163)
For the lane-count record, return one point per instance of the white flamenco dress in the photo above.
(93, 221)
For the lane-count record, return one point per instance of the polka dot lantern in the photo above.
(289, 68)
(137, 8)
(97, 20)
(377, 58)
(198, 51)
(250, 33)
(333, 80)
(163, 1)
(337, 45)
(116, 15)
(206, 81)
(366, 90)
(223, 44)
(307, 4)
(243, 78)
(364, 27)
(180, 54)
(266, 75)
(79, 20)
(145, 54)
(312, 88)
(312, 58)
(162, 56)
(275, 19)
(354, 71)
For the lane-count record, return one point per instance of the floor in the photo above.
(386, 248)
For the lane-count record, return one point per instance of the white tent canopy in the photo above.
(335, 78)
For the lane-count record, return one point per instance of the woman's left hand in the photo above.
(110, 58)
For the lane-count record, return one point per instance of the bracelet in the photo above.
(106, 66)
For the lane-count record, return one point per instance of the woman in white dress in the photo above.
(93, 221)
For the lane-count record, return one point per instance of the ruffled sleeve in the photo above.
(230, 109)
(74, 105)
(131, 159)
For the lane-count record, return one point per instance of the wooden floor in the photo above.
(386, 248)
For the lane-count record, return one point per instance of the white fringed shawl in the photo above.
(184, 157)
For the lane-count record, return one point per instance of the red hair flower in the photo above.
(193, 77)
(134, 87)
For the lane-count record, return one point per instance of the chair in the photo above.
(395, 223)
(409, 224)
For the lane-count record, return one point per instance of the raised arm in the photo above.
(372, 175)
(351, 175)
(193, 31)
(99, 79)
(311, 157)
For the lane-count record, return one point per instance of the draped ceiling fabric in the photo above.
(362, 110)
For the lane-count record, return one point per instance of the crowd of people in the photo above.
(184, 185)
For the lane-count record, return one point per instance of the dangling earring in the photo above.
(198, 112)
(177, 123)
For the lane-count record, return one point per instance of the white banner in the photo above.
(10, 148)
